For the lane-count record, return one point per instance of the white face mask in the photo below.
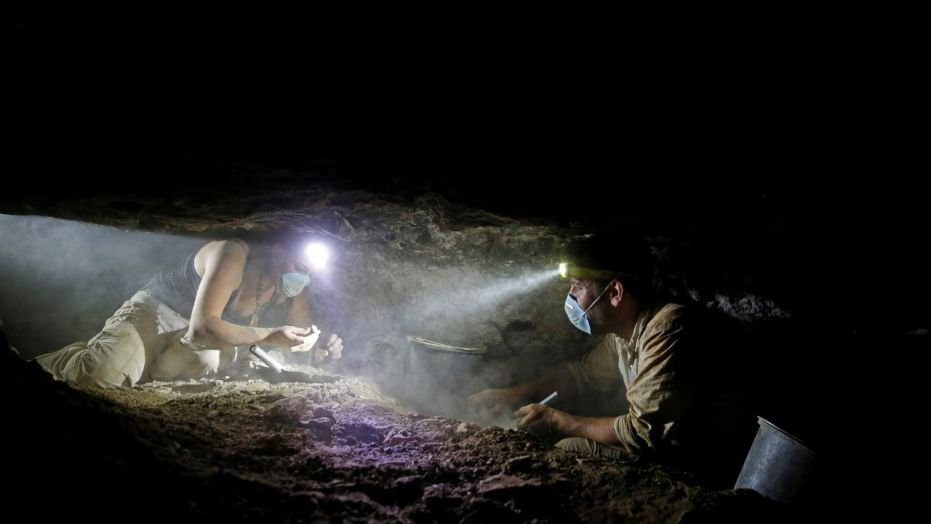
(293, 283)
(577, 315)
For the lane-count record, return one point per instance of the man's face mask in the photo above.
(293, 283)
(579, 316)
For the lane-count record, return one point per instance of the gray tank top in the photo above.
(176, 287)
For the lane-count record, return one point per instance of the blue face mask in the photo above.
(293, 283)
(579, 316)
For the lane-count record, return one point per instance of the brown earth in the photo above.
(322, 448)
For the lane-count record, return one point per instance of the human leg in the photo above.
(117, 355)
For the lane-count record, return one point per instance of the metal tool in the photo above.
(265, 357)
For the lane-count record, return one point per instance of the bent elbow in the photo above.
(205, 333)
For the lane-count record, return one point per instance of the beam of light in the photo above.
(477, 294)
(73, 275)
(500, 289)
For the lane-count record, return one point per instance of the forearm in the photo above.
(218, 332)
(599, 429)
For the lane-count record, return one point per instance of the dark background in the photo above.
(792, 148)
(792, 152)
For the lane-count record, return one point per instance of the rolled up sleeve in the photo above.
(662, 390)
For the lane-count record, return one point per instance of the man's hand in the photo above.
(493, 403)
(334, 349)
(536, 418)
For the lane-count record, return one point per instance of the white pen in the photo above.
(549, 398)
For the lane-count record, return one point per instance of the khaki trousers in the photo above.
(127, 350)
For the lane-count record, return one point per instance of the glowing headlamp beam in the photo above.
(585, 273)
(317, 255)
(564, 270)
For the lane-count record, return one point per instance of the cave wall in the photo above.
(397, 270)
(419, 255)
(488, 287)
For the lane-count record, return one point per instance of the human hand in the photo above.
(334, 349)
(535, 418)
(291, 337)
(307, 341)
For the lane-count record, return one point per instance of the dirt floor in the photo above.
(316, 447)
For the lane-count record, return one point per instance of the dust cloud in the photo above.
(61, 279)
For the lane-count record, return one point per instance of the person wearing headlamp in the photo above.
(194, 319)
(683, 407)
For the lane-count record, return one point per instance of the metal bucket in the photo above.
(436, 374)
(778, 465)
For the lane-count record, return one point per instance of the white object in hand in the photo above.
(548, 399)
(311, 339)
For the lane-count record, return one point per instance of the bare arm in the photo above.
(299, 315)
(598, 370)
(599, 429)
(223, 266)
(658, 396)
(535, 417)
(499, 402)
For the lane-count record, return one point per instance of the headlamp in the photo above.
(567, 270)
(317, 255)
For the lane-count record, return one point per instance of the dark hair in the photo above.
(290, 239)
(621, 252)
